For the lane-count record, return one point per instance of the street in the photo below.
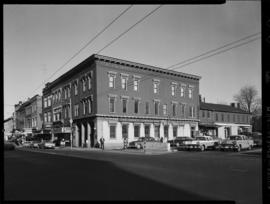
(96, 175)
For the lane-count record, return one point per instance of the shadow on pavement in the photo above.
(37, 176)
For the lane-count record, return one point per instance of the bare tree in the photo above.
(248, 99)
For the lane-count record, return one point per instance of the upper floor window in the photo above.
(208, 114)
(182, 90)
(233, 117)
(164, 109)
(49, 117)
(45, 117)
(76, 110)
(173, 88)
(57, 114)
(228, 117)
(174, 109)
(90, 104)
(84, 107)
(112, 104)
(192, 111)
(76, 88)
(136, 106)
(156, 104)
(124, 83)
(156, 86)
(182, 109)
(124, 103)
(222, 117)
(147, 107)
(89, 79)
(45, 102)
(112, 77)
(136, 83)
(216, 117)
(203, 113)
(84, 84)
(68, 91)
(49, 100)
(59, 95)
(190, 92)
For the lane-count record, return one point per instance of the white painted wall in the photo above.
(170, 132)
(119, 131)
(131, 132)
(234, 130)
(152, 130)
(221, 133)
(161, 130)
(142, 130)
(187, 130)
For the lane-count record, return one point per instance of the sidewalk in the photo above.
(121, 151)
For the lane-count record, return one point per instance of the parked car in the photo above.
(200, 143)
(179, 141)
(46, 145)
(140, 142)
(27, 143)
(35, 144)
(237, 143)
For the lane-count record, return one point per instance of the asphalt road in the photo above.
(96, 175)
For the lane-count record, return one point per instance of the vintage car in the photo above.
(179, 141)
(200, 143)
(27, 144)
(140, 142)
(237, 143)
(46, 145)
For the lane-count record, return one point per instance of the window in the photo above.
(216, 117)
(156, 103)
(135, 84)
(136, 106)
(190, 111)
(174, 109)
(124, 82)
(112, 80)
(182, 90)
(190, 92)
(84, 107)
(45, 102)
(146, 107)
(45, 117)
(228, 118)
(136, 131)
(89, 82)
(76, 88)
(112, 131)
(164, 109)
(65, 93)
(84, 84)
(238, 118)
(59, 95)
(111, 106)
(76, 110)
(68, 111)
(222, 117)
(57, 114)
(157, 132)
(174, 131)
(49, 100)
(173, 88)
(124, 102)
(208, 114)
(182, 109)
(68, 91)
(90, 105)
(156, 86)
(49, 117)
(166, 128)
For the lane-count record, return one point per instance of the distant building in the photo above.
(8, 127)
(116, 99)
(28, 115)
(223, 120)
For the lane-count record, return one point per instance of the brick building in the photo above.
(223, 120)
(114, 98)
(28, 115)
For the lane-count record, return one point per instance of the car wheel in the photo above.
(238, 148)
(138, 146)
(249, 147)
(202, 148)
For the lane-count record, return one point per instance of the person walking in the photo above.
(102, 141)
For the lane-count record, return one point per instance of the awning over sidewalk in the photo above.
(208, 125)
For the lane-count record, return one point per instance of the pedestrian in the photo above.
(102, 141)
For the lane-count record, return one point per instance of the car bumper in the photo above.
(228, 147)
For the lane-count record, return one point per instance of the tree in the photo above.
(248, 99)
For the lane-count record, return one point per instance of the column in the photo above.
(106, 131)
(130, 132)
(221, 133)
(99, 129)
(119, 136)
(187, 130)
(76, 135)
(152, 130)
(170, 132)
(88, 135)
(142, 134)
(161, 130)
(83, 134)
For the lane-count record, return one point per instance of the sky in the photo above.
(39, 39)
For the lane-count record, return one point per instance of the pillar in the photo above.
(83, 134)
(152, 130)
(106, 131)
(221, 132)
(130, 132)
(142, 134)
(119, 131)
(161, 130)
(170, 132)
(88, 135)
(187, 130)
(76, 135)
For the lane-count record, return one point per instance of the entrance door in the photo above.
(192, 131)
(147, 130)
(125, 131)
(166, 131)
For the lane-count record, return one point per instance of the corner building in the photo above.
(113, 98)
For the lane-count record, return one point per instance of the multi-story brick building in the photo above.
(113, 98)
(28, 115)
(223, 120)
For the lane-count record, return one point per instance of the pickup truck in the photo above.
(200, 143)
(237, 143)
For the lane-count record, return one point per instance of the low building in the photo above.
(8, 127)
(116, 99)
(223, 120)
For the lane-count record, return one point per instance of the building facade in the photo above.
(116, 99)
(223, 120)
(8, 127)
(28, 115)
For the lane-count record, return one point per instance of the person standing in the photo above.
(102, 141)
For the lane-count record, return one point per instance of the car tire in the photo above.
(202, 148)
(249, 147)
(138, 146)
(238, 148)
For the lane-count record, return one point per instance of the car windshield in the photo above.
(200, 138)
(235, 137)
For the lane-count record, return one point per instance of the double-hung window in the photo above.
(156, 104)
(174, 109)
(112, 131)
(124, 79)
(75, 88)
(173, 88)
(164, 109)
(190, 92)
(112, 76)
(136, 106)
(182, 90)
(147, 107)
(156, 86)
(112, 104)
(124, 103)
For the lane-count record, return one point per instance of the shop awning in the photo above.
(208, 125)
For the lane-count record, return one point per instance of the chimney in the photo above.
(232, 105)
(238, 105)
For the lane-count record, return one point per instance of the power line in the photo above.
(88, 43)
(129, 29)
(213, 50)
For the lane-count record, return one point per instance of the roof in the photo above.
(221, 108)
(135, 65)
